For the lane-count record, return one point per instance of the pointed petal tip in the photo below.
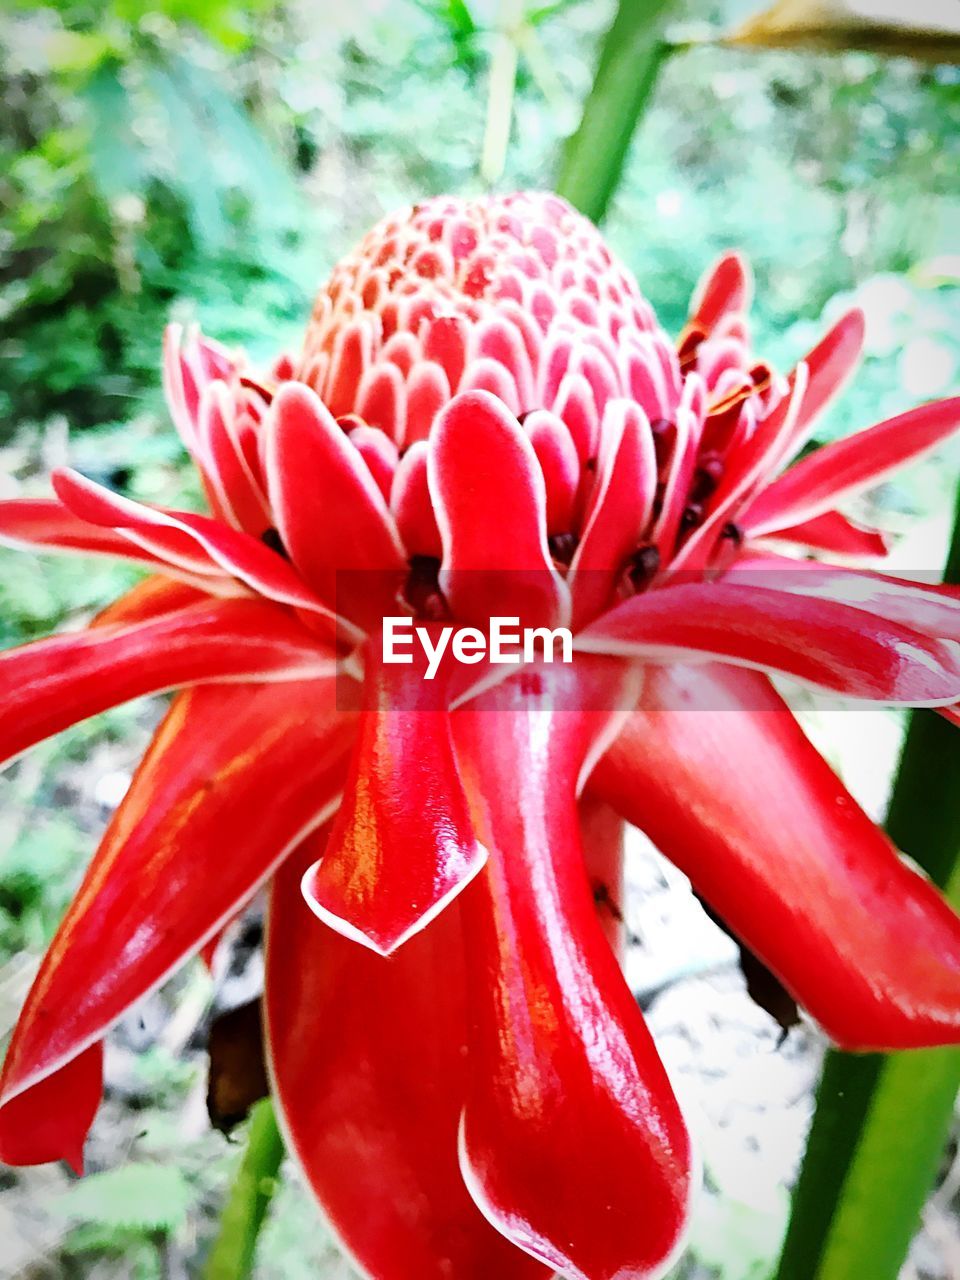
(385, 941)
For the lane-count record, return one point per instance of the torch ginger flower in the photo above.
(487, 420)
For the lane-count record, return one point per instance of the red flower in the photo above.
(485, 420)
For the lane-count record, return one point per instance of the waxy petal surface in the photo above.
(50, 1121)
(620, 508)
(820, 642)
(403, 844)
(929, 608)
(195, 543)
(330, 512)
(830, 365)
(50, 684)
(490, 500)
(715, 769)
(45, 524)
(571, 1140)
(368, 1064)
(192, 840)
(238, 491)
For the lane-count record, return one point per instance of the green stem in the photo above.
(881, 1121)
(232, 1255)
(631, 56)
(503, 83)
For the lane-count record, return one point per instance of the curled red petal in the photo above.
(620, 507)
(45, 524)
(571, 1140)
(368, 1061)
(749, 466)
(191, 841)
(195, 543)
(330, 512)
(830, 364)
(821, 642)
(932, 609)
(403, 844)
(560, 465)
(50, 684)
(845, 467)
(489, 496)
(379, 453)
(238, 490)
(835, 533)
(714, 767)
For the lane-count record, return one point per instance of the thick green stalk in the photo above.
(631, 56)
(232, 1255)
(882, 1121)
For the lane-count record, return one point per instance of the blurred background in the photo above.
(209, 160)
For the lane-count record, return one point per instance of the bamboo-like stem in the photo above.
(248, 1199)
(631, 56)
(881, 1121)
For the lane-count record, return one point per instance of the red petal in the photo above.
(620, 507)
(818, 641)
(500, 340)
(830, 364)
(50, 1121)
(602, 831)
(402, 845)
(427, 392)
(195, 543)
(491, 378)
(192, 840)
(330, 512)
(237, 489)
(50, 684)
(411, 504)
(928, 608)
(683, 462)
(46, 524)
(749, 465)
(571, 1140)
(151, 598)
(368, 1058)
(724, 288)
(489, 496)
(835, 533)
(574, 406)
(382, 401)
(836, 471)
(560, 465)
(379, 453)
(718, 773)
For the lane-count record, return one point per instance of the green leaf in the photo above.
(115, 156)
(924, 29)
(630, 61)
(141, 1197)
(192, 174)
